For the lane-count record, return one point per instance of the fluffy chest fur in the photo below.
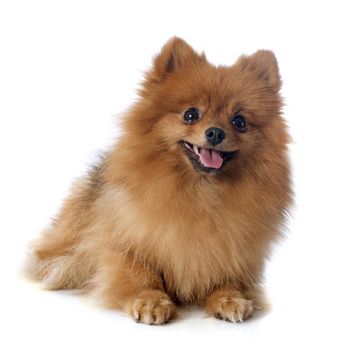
(196, 236)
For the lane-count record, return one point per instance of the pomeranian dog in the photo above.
(185, 207)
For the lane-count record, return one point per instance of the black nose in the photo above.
(215, 135)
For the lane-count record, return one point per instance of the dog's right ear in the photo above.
(174, 56)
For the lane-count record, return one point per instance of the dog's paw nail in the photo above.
(153, 309)
(232, 309)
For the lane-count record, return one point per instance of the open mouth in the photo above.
(206, 159)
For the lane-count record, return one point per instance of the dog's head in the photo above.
(209, 119)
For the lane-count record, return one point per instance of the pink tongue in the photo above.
(210, 158)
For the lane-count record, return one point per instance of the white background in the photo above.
(68, 68)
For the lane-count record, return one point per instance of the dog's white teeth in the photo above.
(196, 150)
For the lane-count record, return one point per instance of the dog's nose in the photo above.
(215, 135)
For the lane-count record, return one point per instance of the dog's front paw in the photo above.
(152, 307)
(229, 306)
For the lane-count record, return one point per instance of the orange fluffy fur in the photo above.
(146, 230)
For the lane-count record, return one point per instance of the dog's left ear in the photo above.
(264, 64)
(175, 55)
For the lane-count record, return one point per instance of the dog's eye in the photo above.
(191, 115)
(239, 122)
